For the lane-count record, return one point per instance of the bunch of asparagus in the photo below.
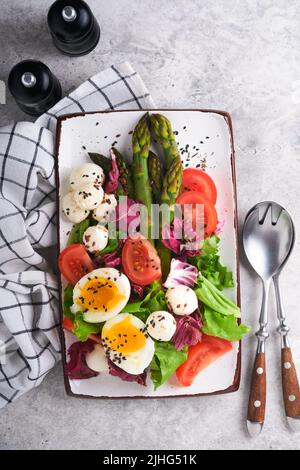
(153, 182)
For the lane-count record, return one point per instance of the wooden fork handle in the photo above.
(257, 398)
(290, 385)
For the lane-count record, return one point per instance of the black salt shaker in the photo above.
(34, 87)
(74, 29)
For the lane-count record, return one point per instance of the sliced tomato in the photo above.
(201, 356)
(195, 198)
(194, 179)
(68, 325)
(140, 261)
(74, 262)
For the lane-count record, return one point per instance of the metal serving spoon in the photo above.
(268, 239)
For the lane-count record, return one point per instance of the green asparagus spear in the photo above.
(163, 130)
(165, 259)
(155, 174)
(125, 174)
(172, 183)
(102, 161)
(141, 146)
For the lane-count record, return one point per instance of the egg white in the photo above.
(136, 362)
(96, 359)
(122, 283)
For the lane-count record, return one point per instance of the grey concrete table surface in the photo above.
(240, 56)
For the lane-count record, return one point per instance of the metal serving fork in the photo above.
(268, 239)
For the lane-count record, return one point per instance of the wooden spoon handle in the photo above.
(257, 399)
(290, 385)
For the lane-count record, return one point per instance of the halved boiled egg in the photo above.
(101, 294)
(127, 343)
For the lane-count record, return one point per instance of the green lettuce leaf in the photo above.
(165, 362)
(76, 234)
(136, 309)
(152, 302)
(211, 296)
(156, 302)
(208, 263)
(155, 299)
(68, 301)
(83, 329)
(222, 326)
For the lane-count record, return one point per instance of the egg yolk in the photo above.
(124, 337)
(99, 294)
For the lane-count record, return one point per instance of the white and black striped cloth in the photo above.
(29, 321)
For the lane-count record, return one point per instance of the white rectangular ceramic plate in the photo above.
(205, 141)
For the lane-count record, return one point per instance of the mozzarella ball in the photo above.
(103, 212)
(89, 173)
(95, 238)
(72, 211)
(96, 359)
(161, 325)
(88, 196)
(181, 300)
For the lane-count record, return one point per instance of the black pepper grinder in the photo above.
(34, 87)
(73, 27)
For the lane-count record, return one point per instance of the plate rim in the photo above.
(234, 387)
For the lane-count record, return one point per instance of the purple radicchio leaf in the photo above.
(181, 238)
(187, 330)
(118, 372)
(169, 239)
(181, 273)
(110, 260)
(137, 291)
(127, 215)
(77, 367)
(113, 175)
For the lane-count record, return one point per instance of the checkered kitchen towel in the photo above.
(29, 342)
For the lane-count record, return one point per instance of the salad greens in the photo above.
(152, 302)
(82, 329)
(165, 362)
(68, 301)
(76, 234)
(222, 326)
(208, 263)
(214, 298)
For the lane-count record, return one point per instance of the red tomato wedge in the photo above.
(74, 262)
(68, 325)
(140, 261)
(210, 213)
(201, 356)
(194, 179)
